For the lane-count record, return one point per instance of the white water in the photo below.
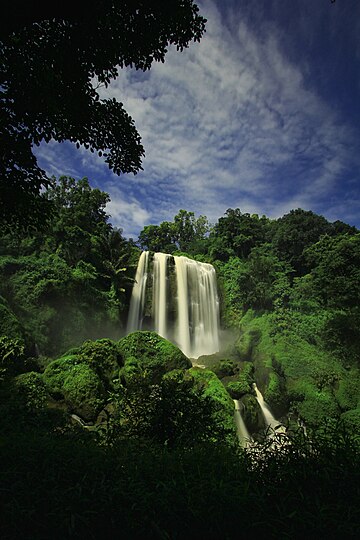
(138, 295)
(196, 326)
(270, 420)
(243, 434)
(159, 304)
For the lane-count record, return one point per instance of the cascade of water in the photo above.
(159, 305)
(270, 421)
(243, 434)
(138, 294)
(196, 329)
(182, 332)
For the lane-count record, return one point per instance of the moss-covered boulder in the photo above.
(226, 367)
(252, 414)
(246, 343)
(74, 381)
(31, 391)
(103, 356)
(152, 353)
(215, 390)
(244, 382)
(275, 395)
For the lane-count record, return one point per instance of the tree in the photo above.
(295, 232)
(237, 233)
(52, 62)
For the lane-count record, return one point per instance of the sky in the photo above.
(263, 115)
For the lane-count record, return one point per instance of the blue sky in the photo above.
(263, 114)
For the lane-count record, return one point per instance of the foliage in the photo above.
(31, 391)
(236, 234)
(186, 233)
(49, 64)
(176, 411)
(295, 232)
(11, 356)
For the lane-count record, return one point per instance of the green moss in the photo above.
(153, 353)
(347, 392)
(225, 368)
(56, 372)
(83, 392)
(275, 394)
(247, 342)
(243, 385)
(131, 368)
(351, 421)
(103, 356)
(31, 391)
(214, 389)
(252, 414)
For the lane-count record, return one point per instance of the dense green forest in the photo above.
(103, 432)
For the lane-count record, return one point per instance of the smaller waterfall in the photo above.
(243, 434)
(138, 294)
(270, 421)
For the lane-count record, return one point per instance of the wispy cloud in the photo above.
(230, 122)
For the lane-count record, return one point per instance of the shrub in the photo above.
(11, 355)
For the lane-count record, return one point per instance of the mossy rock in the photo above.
(56, 372)
(31, 391)
(84, 392)
(246, 343)
(244, 383)
(275, 395)
(103, 356)
(131, 368)
(215, 390)
(252, 414)
(226, 368)
(153, 353)
(72, 380)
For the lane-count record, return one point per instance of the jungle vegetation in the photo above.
(104, 432)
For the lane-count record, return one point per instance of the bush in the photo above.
(11, 356)
(31, 390)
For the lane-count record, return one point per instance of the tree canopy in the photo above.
(53, 60)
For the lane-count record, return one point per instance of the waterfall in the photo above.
(243, 434)
(270, 421)
(189, 316)
(137, 301)
(159, 293)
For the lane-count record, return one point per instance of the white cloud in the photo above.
(228, 122)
